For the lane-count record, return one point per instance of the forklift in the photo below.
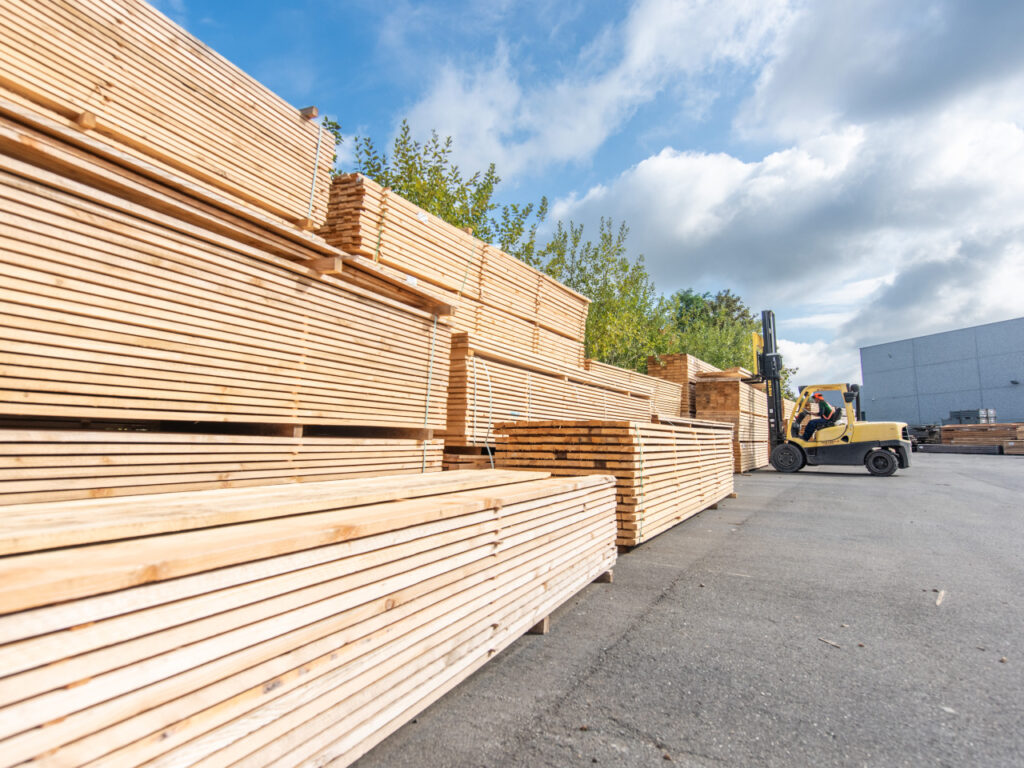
(881, 446)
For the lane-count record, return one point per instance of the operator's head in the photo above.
(818, 396)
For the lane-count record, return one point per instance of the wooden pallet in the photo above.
(287, 625)
(681, 369)
(664, 474)
(112, 309)
(40, 465)
(136, 81)
(490, 385)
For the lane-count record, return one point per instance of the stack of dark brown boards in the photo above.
(172, 333)
(681, 369)
(724, 397)
(664, 474)
(275, 626)
(1009, 436)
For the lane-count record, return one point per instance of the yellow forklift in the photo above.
(880, 446)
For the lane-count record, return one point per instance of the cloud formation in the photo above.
(496, 117)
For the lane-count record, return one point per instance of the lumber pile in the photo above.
(140, 84)
(286, 625)
(500, 298)
(53, 465)
(666, 396)
(1009, 436)
(488, 386)
(108, 315)
(681, 369)
(723, 397)
(663, 473)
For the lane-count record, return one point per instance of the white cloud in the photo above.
(493, 117)
(820, 362)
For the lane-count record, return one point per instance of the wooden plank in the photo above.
(221, 676)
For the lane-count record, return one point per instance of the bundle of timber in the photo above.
(139, 83)
(664, 474)
(500, 298)
(117, 310)
(667, 396)
(787, 408)
(727, 399)
(681, 369)
(288, 625)
(490, 385)
(1008, 436)
(53, 465)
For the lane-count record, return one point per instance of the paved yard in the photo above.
(710, 647)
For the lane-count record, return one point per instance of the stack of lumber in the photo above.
(681, 369)
(114, 310)
(724, 398)
(666, 396)
(53, 465)
(499, 297)
(787, 408)
(285, 626)
(664, 474)
(489, 385)
(1009, 436)
(141, 84)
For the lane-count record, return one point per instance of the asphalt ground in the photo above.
(796, 625)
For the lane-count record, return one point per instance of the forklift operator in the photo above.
(827, 415)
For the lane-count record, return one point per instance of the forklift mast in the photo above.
(769, 370)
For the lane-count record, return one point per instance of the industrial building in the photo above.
(923, 379)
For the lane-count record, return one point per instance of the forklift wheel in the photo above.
(881, 462)
(786, 457)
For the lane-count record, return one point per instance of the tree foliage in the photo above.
(628, 320)
(626, 315)
(424, 174)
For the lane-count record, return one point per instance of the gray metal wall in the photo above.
(921, 380)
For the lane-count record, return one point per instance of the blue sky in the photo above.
(858, 167)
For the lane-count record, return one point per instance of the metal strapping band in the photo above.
(430, 379)
(316, 170)
(472, 432)
(529, 394)
(490, 411)
(643, 495)
(380, 226)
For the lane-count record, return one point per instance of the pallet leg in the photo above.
(714, 506)
(542, 627)
(732, 496)
(605, 578)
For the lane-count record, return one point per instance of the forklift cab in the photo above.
(841, 431)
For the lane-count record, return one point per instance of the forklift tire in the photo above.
(787, 457)
(881, 462)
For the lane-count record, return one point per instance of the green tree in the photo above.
(626, 317)
(424, 174)
(718, 329)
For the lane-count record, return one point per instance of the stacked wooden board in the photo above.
(111, 314)
(683, 370)
(285, 626)
(666, 396)
(664, 474)
(729, 400)
(141, 84)
(488, 386)
(499, 297)
(52, 465)
(1009, 436)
